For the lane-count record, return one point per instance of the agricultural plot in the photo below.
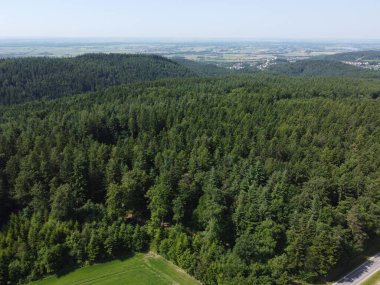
(138, 270)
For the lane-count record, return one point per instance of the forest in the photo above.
(352, 56)
(242, 179)
(327, 68)
(26, 79)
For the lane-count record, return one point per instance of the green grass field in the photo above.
(140, 269)
(373, 280)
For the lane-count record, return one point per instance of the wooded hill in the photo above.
(205, 69)
(326, 68)
(353, 56)
(25, 79)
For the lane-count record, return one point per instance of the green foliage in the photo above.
(25, 79)
(205, 69)
(326, 67)
(353, 56)
(238, 180)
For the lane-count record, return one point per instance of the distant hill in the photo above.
(322, 68)
(201, 68)
(25, 79)
(353, 56)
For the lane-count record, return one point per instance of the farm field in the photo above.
(140, 269)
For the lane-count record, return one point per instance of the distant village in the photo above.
(262, 66)
(364, 64)
(273, 61)
(268, 63)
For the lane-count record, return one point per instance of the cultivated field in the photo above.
(138, 270)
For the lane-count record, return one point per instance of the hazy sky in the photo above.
(282, 19)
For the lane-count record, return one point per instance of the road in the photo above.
(361, 273)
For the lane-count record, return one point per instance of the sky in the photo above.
(191, 19)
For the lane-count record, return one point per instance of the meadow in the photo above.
(141, 269)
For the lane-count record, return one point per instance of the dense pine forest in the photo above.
(244, 179)
(25, 79)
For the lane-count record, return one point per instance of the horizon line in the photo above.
(190, 39)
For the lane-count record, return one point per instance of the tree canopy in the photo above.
(250, 179)
(26, 79)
